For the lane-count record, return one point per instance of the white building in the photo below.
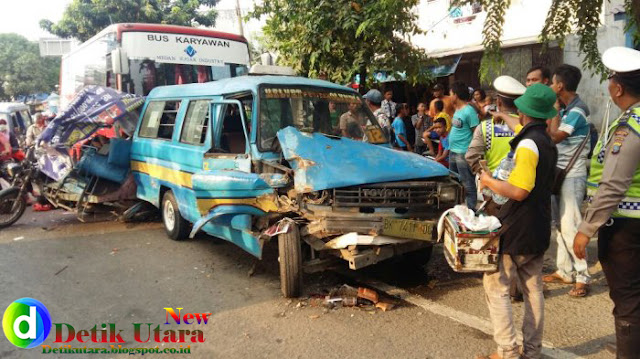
(456, 36)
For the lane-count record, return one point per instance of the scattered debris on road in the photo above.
(60, 271)
(347, 296)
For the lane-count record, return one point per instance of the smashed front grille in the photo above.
(393, 194)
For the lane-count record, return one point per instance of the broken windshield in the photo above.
(315, 109)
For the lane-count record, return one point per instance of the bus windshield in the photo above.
(156, 55)
(147, 74)
(315, 109)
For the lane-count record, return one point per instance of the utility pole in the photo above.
(239, 15)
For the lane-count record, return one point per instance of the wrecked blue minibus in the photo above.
(255, 158)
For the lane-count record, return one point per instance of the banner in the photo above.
(93, 108)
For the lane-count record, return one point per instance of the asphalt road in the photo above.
(87, 274)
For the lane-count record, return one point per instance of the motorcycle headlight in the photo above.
(448, 194)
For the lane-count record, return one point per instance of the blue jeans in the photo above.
(459, 165)
(569, 202)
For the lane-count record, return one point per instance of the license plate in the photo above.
(408, 228)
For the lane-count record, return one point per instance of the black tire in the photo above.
(7, 199)
(180, 229)
(290, 258)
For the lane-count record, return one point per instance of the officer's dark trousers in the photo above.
(619, 254)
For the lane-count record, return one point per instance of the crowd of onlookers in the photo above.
(542, 128)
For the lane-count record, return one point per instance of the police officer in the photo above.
(614, 212)
(491, 139)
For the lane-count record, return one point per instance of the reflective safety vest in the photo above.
(496, 141)
(630, 205)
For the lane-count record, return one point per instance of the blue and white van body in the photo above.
(254, 157)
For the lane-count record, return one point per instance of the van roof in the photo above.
(12, 106)
(238, 84)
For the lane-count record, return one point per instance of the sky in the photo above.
(23, 16)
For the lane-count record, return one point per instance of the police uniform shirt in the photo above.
(620, 165)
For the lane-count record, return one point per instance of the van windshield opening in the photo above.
(315, 109)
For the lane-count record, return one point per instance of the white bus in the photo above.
(135, 58)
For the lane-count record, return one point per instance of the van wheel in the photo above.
(177, 228)
(290, 258)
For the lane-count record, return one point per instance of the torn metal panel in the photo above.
(320, 162)
(275, 180)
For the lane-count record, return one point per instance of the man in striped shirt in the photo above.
(568, 130)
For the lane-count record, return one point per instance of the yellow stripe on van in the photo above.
(265, 203)
(176, 177)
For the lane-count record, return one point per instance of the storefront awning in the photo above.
(446, 67)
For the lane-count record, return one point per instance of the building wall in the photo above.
(446, 35)
(452, 31)
(591, 90)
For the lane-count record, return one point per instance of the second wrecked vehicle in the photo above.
(258, 157)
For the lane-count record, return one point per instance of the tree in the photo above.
(22, 70)
(564, 17)
(84, 18)
(342, 38)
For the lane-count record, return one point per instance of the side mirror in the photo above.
(119, 62)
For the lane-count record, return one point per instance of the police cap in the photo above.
(508, 86)
(622, 60)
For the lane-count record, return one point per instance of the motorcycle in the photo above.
(21, 177)
(83, 191)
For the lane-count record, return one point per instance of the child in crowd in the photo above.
(421, 122)
(440, 127)
(442, 114)
(439, 105)
(399, 128)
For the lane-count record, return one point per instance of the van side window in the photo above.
(196, 122)
(159, 119)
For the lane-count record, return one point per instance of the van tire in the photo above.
(290, 258)
(176, 227)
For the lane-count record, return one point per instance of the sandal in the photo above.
(491, 356)
(579, 292)
(555, 278)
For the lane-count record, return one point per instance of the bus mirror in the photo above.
(119, 62)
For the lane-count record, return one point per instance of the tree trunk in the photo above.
(363, 79)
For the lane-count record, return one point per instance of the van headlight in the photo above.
(448, 193)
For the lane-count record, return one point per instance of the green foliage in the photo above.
(581, 17)
(341, 38)
(587, 28)
(22, 70)
(632, 8)
(84, 18)
(562, 20)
